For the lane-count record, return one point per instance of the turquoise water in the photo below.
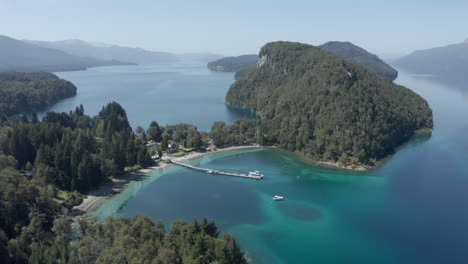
(181, 92)
(411, 210)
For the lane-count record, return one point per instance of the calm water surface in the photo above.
(412, 210)
(182, 92)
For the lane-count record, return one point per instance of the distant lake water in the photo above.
(414, 209)
(181, 92)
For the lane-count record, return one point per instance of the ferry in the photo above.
(278, 198)
(255, 174)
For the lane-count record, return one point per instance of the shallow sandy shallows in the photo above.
(117, 184)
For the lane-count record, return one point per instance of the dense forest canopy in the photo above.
(331, 109)
(72, 153)
(34, 230)
(233, 64)
(371, 62)
(245, 64)
(23, 92)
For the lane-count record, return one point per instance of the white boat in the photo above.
(255, 174)
(278, 198)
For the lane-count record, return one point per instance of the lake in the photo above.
(181, 92)
(411, 210)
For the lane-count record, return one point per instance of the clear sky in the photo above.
(236, 27)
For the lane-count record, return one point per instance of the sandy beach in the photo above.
(118, 183)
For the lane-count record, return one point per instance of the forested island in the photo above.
(330, 109)
(245, 64)
(47, 165)
(371, 62)
(24, 92)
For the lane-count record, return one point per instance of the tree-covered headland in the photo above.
(24, 92)
(330, 109)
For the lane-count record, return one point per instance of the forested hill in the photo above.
(24, 92)
(309, 100)
(233, 64)
(46, 165)
(450, 62)
(371, 62)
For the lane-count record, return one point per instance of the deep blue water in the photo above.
(181, 92)
(414, 209)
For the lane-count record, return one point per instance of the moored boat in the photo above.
(255, 174)
(278, 198)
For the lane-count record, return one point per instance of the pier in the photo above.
(216, 172)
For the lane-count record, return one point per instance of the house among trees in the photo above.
(172, 148)
(152, 144)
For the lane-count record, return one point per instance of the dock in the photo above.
(216, 172)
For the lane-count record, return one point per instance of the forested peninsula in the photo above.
(245, 64)
(330, 109)
(24, 92)
(47, 165)
(233, 64)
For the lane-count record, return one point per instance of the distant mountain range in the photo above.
(82, 48)
(245, 64)
(75, 54)
(371, 62)
(16, 55)
(449, 62)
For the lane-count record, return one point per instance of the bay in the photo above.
(410, 210)
(184, 92)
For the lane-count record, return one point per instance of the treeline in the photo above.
(330, 109)
(32, 230)
(74, 151)
(182, 134)
(24, 92)
(140, 240)
(242, 132)
(233, 64)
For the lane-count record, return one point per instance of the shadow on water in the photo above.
(299, 211)
(240, 112)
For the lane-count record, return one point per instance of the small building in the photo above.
(152, 145)
(173, 147)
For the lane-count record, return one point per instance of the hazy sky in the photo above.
(240, 26)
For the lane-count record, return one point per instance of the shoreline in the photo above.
(328, 164)
(117, 184)
(94, 198)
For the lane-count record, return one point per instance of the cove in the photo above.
(410, 210)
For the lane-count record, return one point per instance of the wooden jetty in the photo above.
(216, 172)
